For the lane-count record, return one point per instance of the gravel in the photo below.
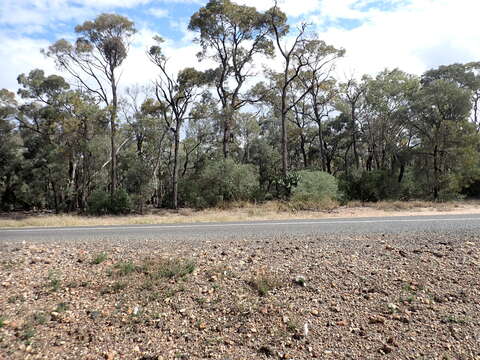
(382, 296)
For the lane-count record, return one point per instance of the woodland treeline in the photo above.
(84, 142)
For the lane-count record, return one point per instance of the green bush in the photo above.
(315, 186)
(120, 203)
(100, 202)
(370, 186)
(218, 182)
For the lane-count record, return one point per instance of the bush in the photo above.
(219, 182)
(370, 186)
(315, 186)
(100, 203)
(120, 203)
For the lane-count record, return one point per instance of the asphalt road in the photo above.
(205, 231)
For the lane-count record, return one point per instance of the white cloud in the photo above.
(421, 35)
(21, 55)
(289, 7)
(158, 12)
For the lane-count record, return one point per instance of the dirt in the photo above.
(410, 296)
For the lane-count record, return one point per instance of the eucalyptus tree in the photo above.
(232, 35)
(448, 142)
(351, 104)
(10, 151)
(58, 126)
(322, 85)
(175, 95)
(305, 59)
(93, 61)
(465, 76)
(387, 132)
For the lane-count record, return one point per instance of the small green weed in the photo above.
(173, 268)
(264, 282)
(54, 280)
(40, 318)
(114, 288)
(61, 307)
(125, 268)
(27, 334)
(99, 258)
(453, 320)
(16, 298)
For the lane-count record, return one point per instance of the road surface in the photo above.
(202, 231)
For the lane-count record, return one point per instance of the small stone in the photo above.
(392, 307)
(386, 349)
(267, 350)
(202, 326)
(300, 280)
(94, 315)
(376, 320)
(109, 355)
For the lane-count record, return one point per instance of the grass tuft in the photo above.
(99, 258)
(264, 282)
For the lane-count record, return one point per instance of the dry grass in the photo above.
(243, 211)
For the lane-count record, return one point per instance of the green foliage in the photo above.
(220, 181)
(100, 203)
(125, 268)
(173, 269)
(369, 186)
(99, 258)
(120, 203)
(315, 186)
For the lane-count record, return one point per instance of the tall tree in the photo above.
(176, 94)
(93, 61)
(10, 159)
(447, 140)
(307, 60)
(231, 35)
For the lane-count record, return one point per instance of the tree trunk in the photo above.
(284, 144)
(436, 172)
(354, 138)
(226, 140)
(175, 168)
(303, 150)
(320, 139)
(113, 115)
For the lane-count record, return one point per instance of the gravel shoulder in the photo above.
(393, 296)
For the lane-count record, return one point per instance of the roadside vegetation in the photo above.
(306, 140)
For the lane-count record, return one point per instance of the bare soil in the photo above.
(410, 296)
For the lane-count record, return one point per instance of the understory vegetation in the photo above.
(202, 139)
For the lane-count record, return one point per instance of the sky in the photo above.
(413, 35)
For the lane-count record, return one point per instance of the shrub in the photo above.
(315, 186)
(100, 202)
(371, 186)
(120, 203)
(218, 182)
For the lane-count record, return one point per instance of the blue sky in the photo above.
(411, 34)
